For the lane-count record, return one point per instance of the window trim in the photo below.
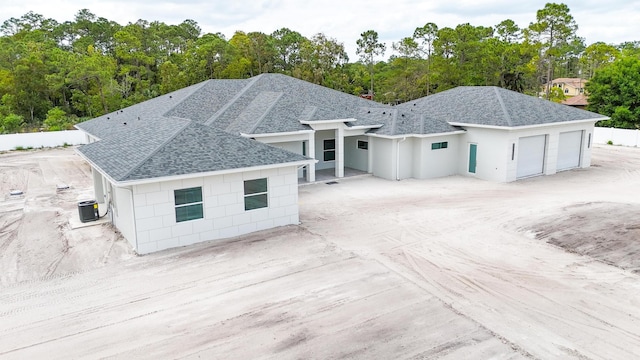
(326, 150)
(256, 194)
(440, 145)
(363, 147)
(195, 203)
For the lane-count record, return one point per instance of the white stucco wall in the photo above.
(294, 147)
(405, 157)
(384, 157)
(493, 153)
(430, 163)
(223, 203)
(322, 135)
(353, 157)
(122, 216)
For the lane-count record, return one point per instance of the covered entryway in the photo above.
(531, 151)
(569, 150)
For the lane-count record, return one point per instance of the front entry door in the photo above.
(473, 150)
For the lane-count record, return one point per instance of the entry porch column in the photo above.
(311, 152)
(339, 164)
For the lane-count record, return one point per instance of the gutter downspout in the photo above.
(398, 158)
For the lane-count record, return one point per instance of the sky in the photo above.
(610, 21)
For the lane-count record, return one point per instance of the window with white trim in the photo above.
(329, 147)
(188, 204)
(439, 145)
(255, 194)
(364, 145)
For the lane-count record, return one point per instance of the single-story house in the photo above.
(224, 157)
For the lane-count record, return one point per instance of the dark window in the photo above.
(255, 194)
(329, 150)
(439, 145)
(364, 145)
(188, 203)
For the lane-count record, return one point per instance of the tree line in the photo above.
(53, 74)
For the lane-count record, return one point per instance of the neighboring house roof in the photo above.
(170, 148)
(579, 100)
(494, 106)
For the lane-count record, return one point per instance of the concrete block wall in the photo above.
(223, 208)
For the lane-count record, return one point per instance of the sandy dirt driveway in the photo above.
(449, 268)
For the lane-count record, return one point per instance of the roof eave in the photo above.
(400, 136)
(264, 135)
(328, 121)
(512, 128)
(86, 132)
(360, 127)
(212, 173)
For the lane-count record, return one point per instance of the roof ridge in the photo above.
(233, 100)
(188, 122)
(264, 115)
(504, 108)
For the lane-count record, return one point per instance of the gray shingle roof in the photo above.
(196, 129)
(138, 115)
(489, 105)
(180, 147)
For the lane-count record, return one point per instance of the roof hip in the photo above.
(160, 147)
(507, 117)
(233, 100)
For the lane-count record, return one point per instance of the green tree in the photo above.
(322, 58)
(426, 35)
(614, 91)
(287, 45)
(403, 74)
(596, 56)
(94, 89)
(554, 29)
(368, 48)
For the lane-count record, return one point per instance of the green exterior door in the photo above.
(473, 151)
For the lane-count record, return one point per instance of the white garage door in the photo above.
(569, 146)
(531, 155)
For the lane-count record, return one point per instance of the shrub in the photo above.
(57, 120)
(609, 142)
(10, 123)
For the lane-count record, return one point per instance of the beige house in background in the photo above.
(569, 86)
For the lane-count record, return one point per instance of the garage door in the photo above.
(531, 155)
(569, 146)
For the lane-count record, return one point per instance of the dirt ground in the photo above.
(450, 268)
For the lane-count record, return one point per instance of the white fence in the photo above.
(41, 139)
(622, 137)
